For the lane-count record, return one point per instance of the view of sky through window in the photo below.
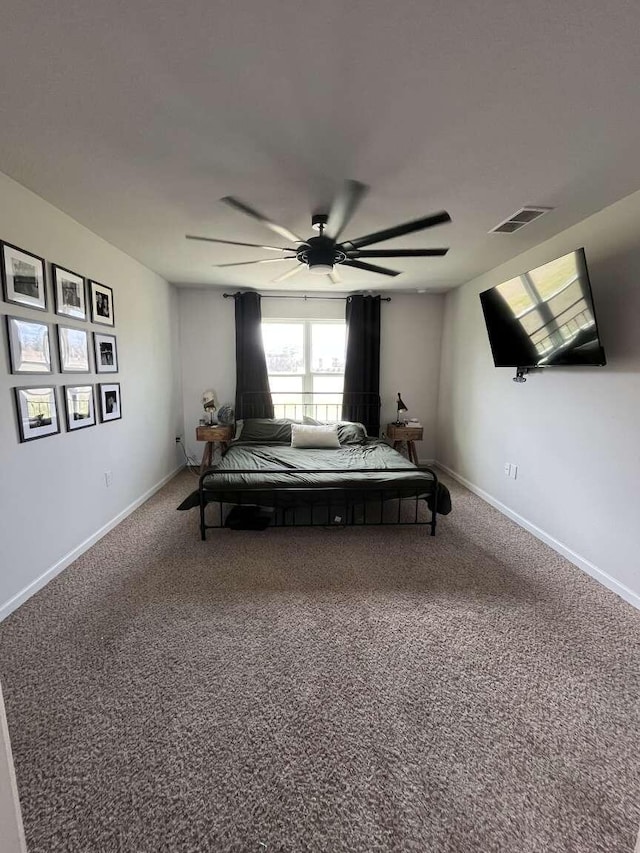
(305, 357)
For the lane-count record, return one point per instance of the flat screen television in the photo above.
(544, 317)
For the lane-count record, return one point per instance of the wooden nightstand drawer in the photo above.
(219, 432)
(401, 434)
(404, 433)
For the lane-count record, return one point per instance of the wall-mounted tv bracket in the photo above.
(521, 374)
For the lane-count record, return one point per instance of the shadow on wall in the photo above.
(616, 296)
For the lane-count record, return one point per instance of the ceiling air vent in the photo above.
(523, 217)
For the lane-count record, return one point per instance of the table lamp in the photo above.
(402, 408)
(209, 406)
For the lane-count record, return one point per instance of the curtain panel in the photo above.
(361, 401)
(253, 397)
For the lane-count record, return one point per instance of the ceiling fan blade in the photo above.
(290, 273)
(234, 243)
(397, 253)
(369, 267)
(399, 230)
(335, 276)
(344, 206)
(262, 261)
(254, 214)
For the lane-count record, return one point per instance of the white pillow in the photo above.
(303, 435)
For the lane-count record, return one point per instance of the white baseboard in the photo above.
(29, 590)
(577, 560)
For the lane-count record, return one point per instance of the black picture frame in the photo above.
(101, 299)
(28, 428)
(106, 390)
(69, 293)
(32, 291)
(73, 343)
(18, 345)
(105, 352)
(73, 396)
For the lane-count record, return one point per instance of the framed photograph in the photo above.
(73, 346)
(101, 303)
(69, 293)
(106, 353)
(37, 412)
(23, 277)
(110, 406)
(28, 346)
(80, 406)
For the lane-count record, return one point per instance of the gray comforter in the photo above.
(364, 469)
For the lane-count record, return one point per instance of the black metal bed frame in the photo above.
(350, 505)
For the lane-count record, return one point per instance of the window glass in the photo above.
(328, 347)
(327, 396)
(305, 363)
(288, 384)
(287, 400)
(284, 347)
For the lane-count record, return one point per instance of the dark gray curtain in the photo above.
(253, 398)
(361, 401)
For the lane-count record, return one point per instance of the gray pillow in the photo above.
(266, 430)
(349, 432)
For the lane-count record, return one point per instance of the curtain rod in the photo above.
(273, 296)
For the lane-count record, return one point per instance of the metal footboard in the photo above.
(351, 504)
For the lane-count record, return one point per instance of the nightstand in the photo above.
(408, 435)
(220, 433)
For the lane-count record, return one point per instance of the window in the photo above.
(305, 357)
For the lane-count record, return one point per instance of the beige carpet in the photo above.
(324, 690)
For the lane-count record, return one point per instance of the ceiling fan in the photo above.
(323, 253)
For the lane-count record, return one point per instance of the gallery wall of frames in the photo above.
(41, 406)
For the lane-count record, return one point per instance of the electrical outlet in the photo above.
(178, 439)
(507, 469)
(108, 478)
(514, 472)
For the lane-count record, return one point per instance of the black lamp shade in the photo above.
(402, 407)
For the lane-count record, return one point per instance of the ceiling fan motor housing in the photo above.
(320, 254)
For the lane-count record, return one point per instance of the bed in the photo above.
(263, 481)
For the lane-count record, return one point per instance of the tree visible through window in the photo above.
(305, 357)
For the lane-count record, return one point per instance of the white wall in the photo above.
(411, 327)
(410, 346)
(573, 432)
(52, 491)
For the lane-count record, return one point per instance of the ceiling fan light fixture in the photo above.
(321, 269)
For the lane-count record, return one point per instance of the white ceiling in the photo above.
(136, 116)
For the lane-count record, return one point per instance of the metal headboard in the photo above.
(326, 406)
